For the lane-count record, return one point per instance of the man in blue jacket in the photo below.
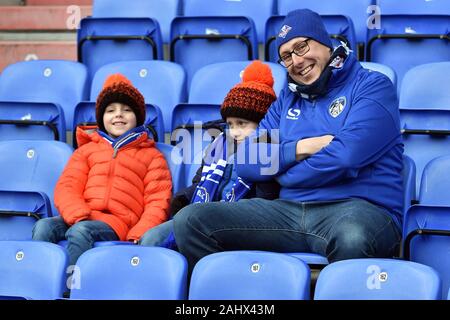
(334, 145)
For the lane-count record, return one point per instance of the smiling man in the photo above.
(339, 152)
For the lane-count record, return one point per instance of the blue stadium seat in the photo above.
(425, 87)
(359, 11)
(43, 87)
(130, 273)
(312, 259)
(249, 275)
(32, 270)
(162, 83)
(162, 11)
(19, 211)
(426, 230)
(265, 9)
(387, 71)
(198, 41)
(414, 7)
(206, 89)
(84, 117)
(405, 41)
(194, 127)
(29, 170)
(175, 163)
(339, 27)
(425, 113)
(105, 40)
(31, 121)
(377, 279)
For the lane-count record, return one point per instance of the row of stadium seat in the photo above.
(196, 40)
(358, 10)
(30, 169)
(38, 270)
(163, 85)
(44, 99)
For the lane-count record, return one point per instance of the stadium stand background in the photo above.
(47, 30)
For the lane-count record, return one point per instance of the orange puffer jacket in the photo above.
(129, 191)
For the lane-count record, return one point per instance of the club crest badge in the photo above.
(284, 31)
(203, 194)
(337, 106)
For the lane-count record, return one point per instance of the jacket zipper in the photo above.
(110, 181)
(111, 171)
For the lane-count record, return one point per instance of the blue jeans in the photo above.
(352, 228)
(80, 237)
(157, 236)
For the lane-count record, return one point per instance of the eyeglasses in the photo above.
(300, 49)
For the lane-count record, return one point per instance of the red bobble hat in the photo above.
(117, 88)
(251, 98)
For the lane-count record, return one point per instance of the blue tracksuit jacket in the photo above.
(364, 160)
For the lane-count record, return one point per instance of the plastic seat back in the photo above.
(61, 83)
(377, 279)
(249, 275)
(162, 83)
(198, 41)
(162, 11)
(426, 230)
(102, 41)
(266, 8)
(32, 270)
(124, 272)
(206, 89)
(32, 165)
(400, 35)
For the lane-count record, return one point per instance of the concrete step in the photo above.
(42, 17)
(58, 2)
(15, 51)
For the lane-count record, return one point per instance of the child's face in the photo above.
(240, 128)
(118, 119)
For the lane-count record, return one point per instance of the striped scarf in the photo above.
(212, 173)
(126, 138)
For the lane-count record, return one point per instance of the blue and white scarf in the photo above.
(212, 173)
(126, 138)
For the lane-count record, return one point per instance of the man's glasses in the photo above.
(300, 49)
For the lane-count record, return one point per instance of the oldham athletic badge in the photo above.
(203, 194)
(337, 106)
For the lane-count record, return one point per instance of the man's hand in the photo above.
(309, 146)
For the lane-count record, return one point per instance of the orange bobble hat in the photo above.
(117, 88)
(251, 98)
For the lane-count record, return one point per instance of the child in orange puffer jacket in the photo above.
(116, 185)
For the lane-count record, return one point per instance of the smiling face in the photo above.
(118, 119)
(240, 128)
(307, 68)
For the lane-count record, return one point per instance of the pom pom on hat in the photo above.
(251, 98)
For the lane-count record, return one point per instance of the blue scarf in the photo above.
(212, 173)
(126, 138)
